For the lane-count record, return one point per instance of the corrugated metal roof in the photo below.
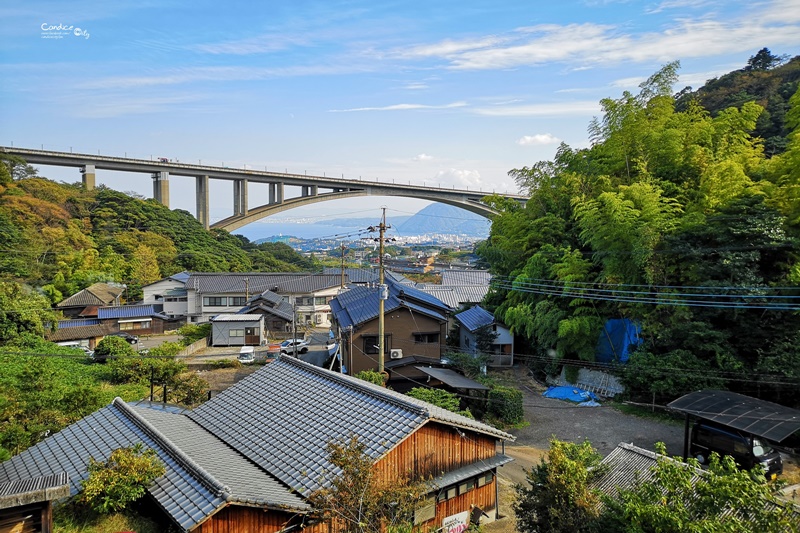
(466, 277)
(129, 311)
(294, 409)
(64, 324)
(758, 417)
(34, 490)
(237, 318)
(455, 295)
(452, 378)
(629, 465)
(475, 317)
(468, 471)
(411, 293)
(257, 282)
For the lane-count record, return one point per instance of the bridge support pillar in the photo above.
(278, 199)
(314, 190)
(161, 188)
(240, 197)
(202, 200)
(88, 178)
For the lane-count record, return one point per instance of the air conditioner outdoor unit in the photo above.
(396, 354)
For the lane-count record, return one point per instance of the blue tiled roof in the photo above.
(63, 324)
(475, 317)
(128, 311)
(360, 304)
(294, 409)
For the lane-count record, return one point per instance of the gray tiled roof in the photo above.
(269, 303)
(96, 294)
(257, 282)
(185, 491)
(355, 275)
(80, 333)
(283, 416)
(475, 317)
(246, 483)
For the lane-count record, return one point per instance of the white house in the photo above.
(471, 322)
(171, 292)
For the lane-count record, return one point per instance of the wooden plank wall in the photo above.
(435, 449)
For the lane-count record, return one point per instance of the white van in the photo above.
(247, 355)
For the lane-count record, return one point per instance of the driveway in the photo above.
(605, 427)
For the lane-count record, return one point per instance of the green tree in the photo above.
(112, 347)
(122, 479)
(22, 311)
(557, 497)
(372, 376)
(358, 500)
(440, 398)
(722, 498)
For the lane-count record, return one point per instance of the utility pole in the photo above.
(383, 293)
(342, 282)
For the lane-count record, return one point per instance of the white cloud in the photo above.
(401, 107)
(590, 44)
(459, 178)
(416, 86)
(538, 139)
(423, 157)
(585, 107)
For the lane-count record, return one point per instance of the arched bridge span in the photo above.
(160, 170)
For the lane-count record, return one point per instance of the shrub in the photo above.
(112, 347)
(505, 403)
(193, 332)
(440, 398)
(470, 365)
(372, 376)
(122, 479)
(137, 369)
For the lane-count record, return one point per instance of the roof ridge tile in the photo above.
(176, 453)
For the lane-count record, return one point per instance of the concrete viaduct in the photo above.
(161, 169)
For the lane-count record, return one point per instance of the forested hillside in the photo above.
(768, 80)
(675, 219)
(61, 238)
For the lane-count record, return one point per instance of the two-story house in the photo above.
(415, 324)
(475, 320)
(170, 293)
(210, 294)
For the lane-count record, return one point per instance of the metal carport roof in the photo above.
(452, 378)
(751, 415)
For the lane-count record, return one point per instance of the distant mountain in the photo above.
(360, 222)
(445, 219)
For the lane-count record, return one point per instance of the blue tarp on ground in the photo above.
(572, 394)
(618, 339)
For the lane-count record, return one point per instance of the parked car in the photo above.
(132, 339)
(748, 451)
(290, 345)
(247, 355)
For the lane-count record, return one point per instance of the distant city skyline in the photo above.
(449, 93)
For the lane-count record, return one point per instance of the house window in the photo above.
(237, 300)
(251, 331)
(426, 338)
(319, 300)
(371, 344)
(214, 301)
(237, 333)
(127, 326)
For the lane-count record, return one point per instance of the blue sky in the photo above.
(434, 92)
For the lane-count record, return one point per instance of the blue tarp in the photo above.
(572, 394)
(617, 340)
